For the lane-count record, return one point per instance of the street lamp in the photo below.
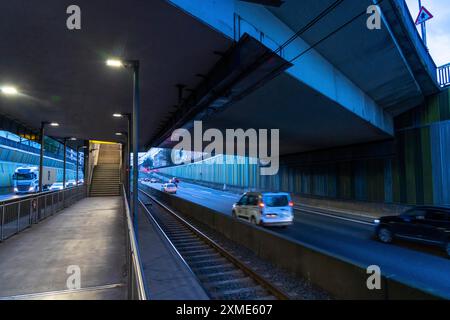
(9, 90)
(127, 159)
(78, 156)
(41, 155)
(134, 66)
(129, 119)
(65, 158)
(115, 63)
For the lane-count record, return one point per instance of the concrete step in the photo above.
(105, 188)
(106, 183)
(106, 176)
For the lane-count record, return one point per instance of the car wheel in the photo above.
(233, 214)
(253, 220)
(385, 235)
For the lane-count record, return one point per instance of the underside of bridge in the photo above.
(343, 83)
(231, 77)
(62, 75)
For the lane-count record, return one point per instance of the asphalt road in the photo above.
(416, 265)
(9, 196)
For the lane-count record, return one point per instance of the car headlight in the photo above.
(31, 189)
(376, 221)
(15, 189)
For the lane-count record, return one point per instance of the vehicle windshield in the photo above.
(170, 185)
(414, 213)
(24, 176)
(276, 201)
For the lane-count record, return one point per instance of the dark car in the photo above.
(429, 225)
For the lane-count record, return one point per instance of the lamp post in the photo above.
(78, 163)
(128, 158)
(41, 155)
(126, 161)
(134, 66)
(65, 159)
(64, 163)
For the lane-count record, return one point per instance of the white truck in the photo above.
(26, 179)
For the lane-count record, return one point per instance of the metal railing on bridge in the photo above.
(19, 214)
(443, 73)
(136, 283)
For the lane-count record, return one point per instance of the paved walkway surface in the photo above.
(166, 275)
(90, 235)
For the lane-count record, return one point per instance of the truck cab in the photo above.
(26, 179)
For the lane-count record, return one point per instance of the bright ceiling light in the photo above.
(54, 124)
(9, 90)
(119, 133)
(116, 63)
(73, 139)
(117, 115)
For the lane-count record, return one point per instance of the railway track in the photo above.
(222, 275)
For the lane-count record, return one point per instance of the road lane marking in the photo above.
(196, 196)
(334, 216)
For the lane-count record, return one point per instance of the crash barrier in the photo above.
(341, 278)
(18, 214)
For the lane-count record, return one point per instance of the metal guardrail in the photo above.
(136, 284)
(443, 74)
(21, 213)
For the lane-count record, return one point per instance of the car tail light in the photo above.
(291, 203)
(262, 205)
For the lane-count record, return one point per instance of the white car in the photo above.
(265, 208)
(153, 180)
(169, 188)
(56, 186)
(70, 184)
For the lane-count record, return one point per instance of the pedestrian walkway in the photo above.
(166, 275)
(90, 235)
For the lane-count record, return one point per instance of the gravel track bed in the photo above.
(297, 288)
